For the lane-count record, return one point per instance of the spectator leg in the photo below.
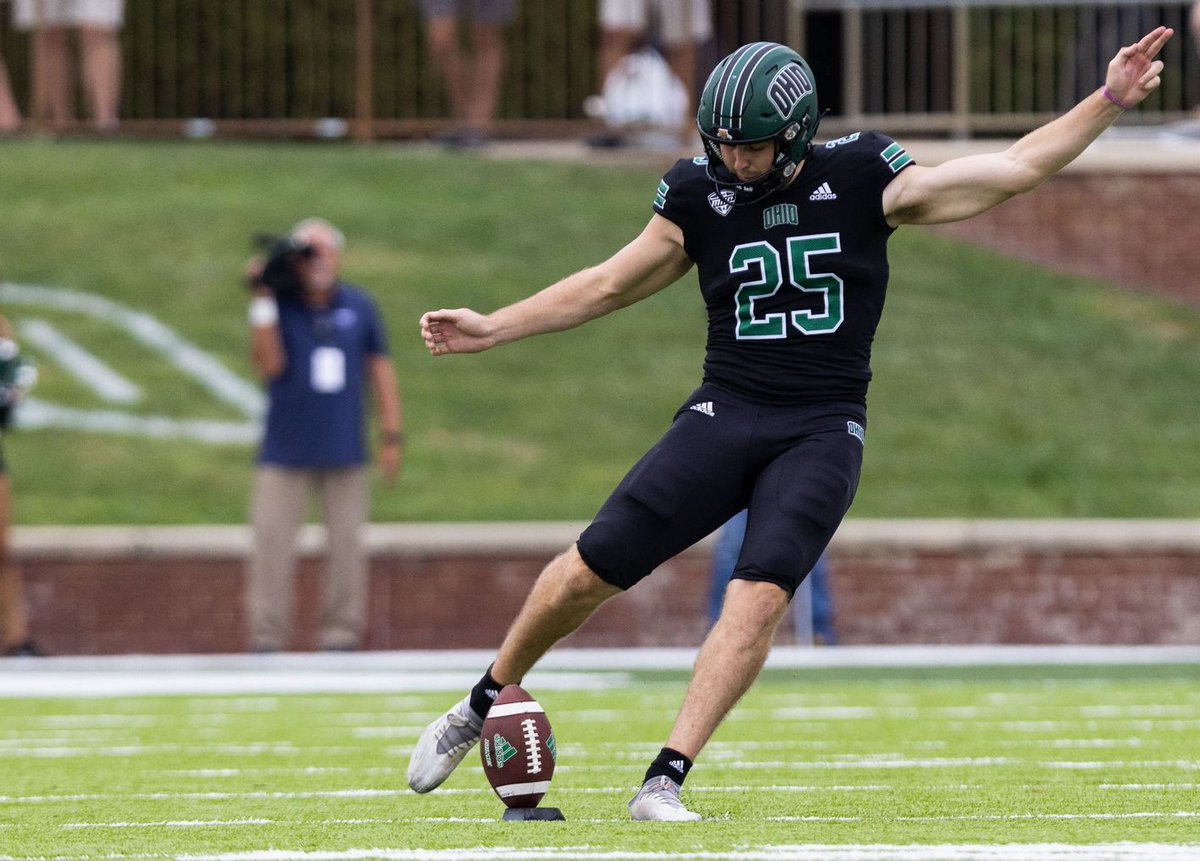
(447, 54)
(100, 52)
(51, 102)
(483, 98)
(10, 114)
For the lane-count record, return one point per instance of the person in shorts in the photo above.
(472, 74)
(97, 24)
(789, 242)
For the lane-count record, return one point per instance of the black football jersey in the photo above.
(794, 283)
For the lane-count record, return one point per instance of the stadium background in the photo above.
(276, 69)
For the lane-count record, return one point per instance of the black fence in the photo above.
(951, 66)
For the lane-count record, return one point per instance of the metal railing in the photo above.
(971, 66)
(961, 67)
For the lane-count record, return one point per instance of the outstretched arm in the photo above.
(643, 267)
(964, 187)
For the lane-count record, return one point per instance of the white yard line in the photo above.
(580, 669)
(810, 852)
(86, 367)
(43, 680)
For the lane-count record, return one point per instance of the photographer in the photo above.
(317, 343)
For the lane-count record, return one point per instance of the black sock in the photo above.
(670, 763)
(484, 693)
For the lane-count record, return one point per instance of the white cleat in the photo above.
(658, 801)
(442, 746)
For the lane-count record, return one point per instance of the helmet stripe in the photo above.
(722, 84)
(723, 97)
(741, 89)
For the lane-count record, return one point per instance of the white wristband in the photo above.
(263, 312)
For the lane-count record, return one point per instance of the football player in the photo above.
(789, 240)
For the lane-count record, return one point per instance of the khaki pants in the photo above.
(277, 509)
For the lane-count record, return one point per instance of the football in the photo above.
(517, 748)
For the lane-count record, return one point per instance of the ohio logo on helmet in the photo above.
(789, 86)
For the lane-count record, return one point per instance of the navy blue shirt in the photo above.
(317, 407)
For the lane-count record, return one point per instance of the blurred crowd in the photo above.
(647, 61)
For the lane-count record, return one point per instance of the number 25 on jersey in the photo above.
(763, 257)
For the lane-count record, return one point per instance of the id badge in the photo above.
(328, 370)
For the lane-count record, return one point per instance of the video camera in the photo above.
(282, 254)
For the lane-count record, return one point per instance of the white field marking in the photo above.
(36, 413)
(1184, 764)
(279, 748)
(387, 731)
(1070, 743)
(1157, 787)
(810, 852)
(190, 360)
(881, 762)
(392, 793)
(282, 770)
(211, 374)
(18, 739)
(823, 713)
(164, 678)
(228, 796)
(386, 715)
(443, 669)
(1121, 725)
(1042, 817)
(975, 714)
(1142, 724)
(85, 367)
(713, 750)
(778, 788)
(171, 823)
(1143, 710)
(591, 715)
(232, 823)
(105, 719)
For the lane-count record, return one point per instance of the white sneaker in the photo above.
(658, 801)
(442, 746)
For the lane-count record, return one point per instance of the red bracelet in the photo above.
(1120, 104)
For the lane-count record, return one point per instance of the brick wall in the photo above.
(1140, 231)
(1128, 213)
(892, 582)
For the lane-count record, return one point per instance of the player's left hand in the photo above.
(1134, 73)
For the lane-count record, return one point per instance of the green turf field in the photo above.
(990, 763)
(1001, 390)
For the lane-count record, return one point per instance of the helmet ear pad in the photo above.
(796, 138)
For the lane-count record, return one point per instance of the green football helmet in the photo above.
(762, 91)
